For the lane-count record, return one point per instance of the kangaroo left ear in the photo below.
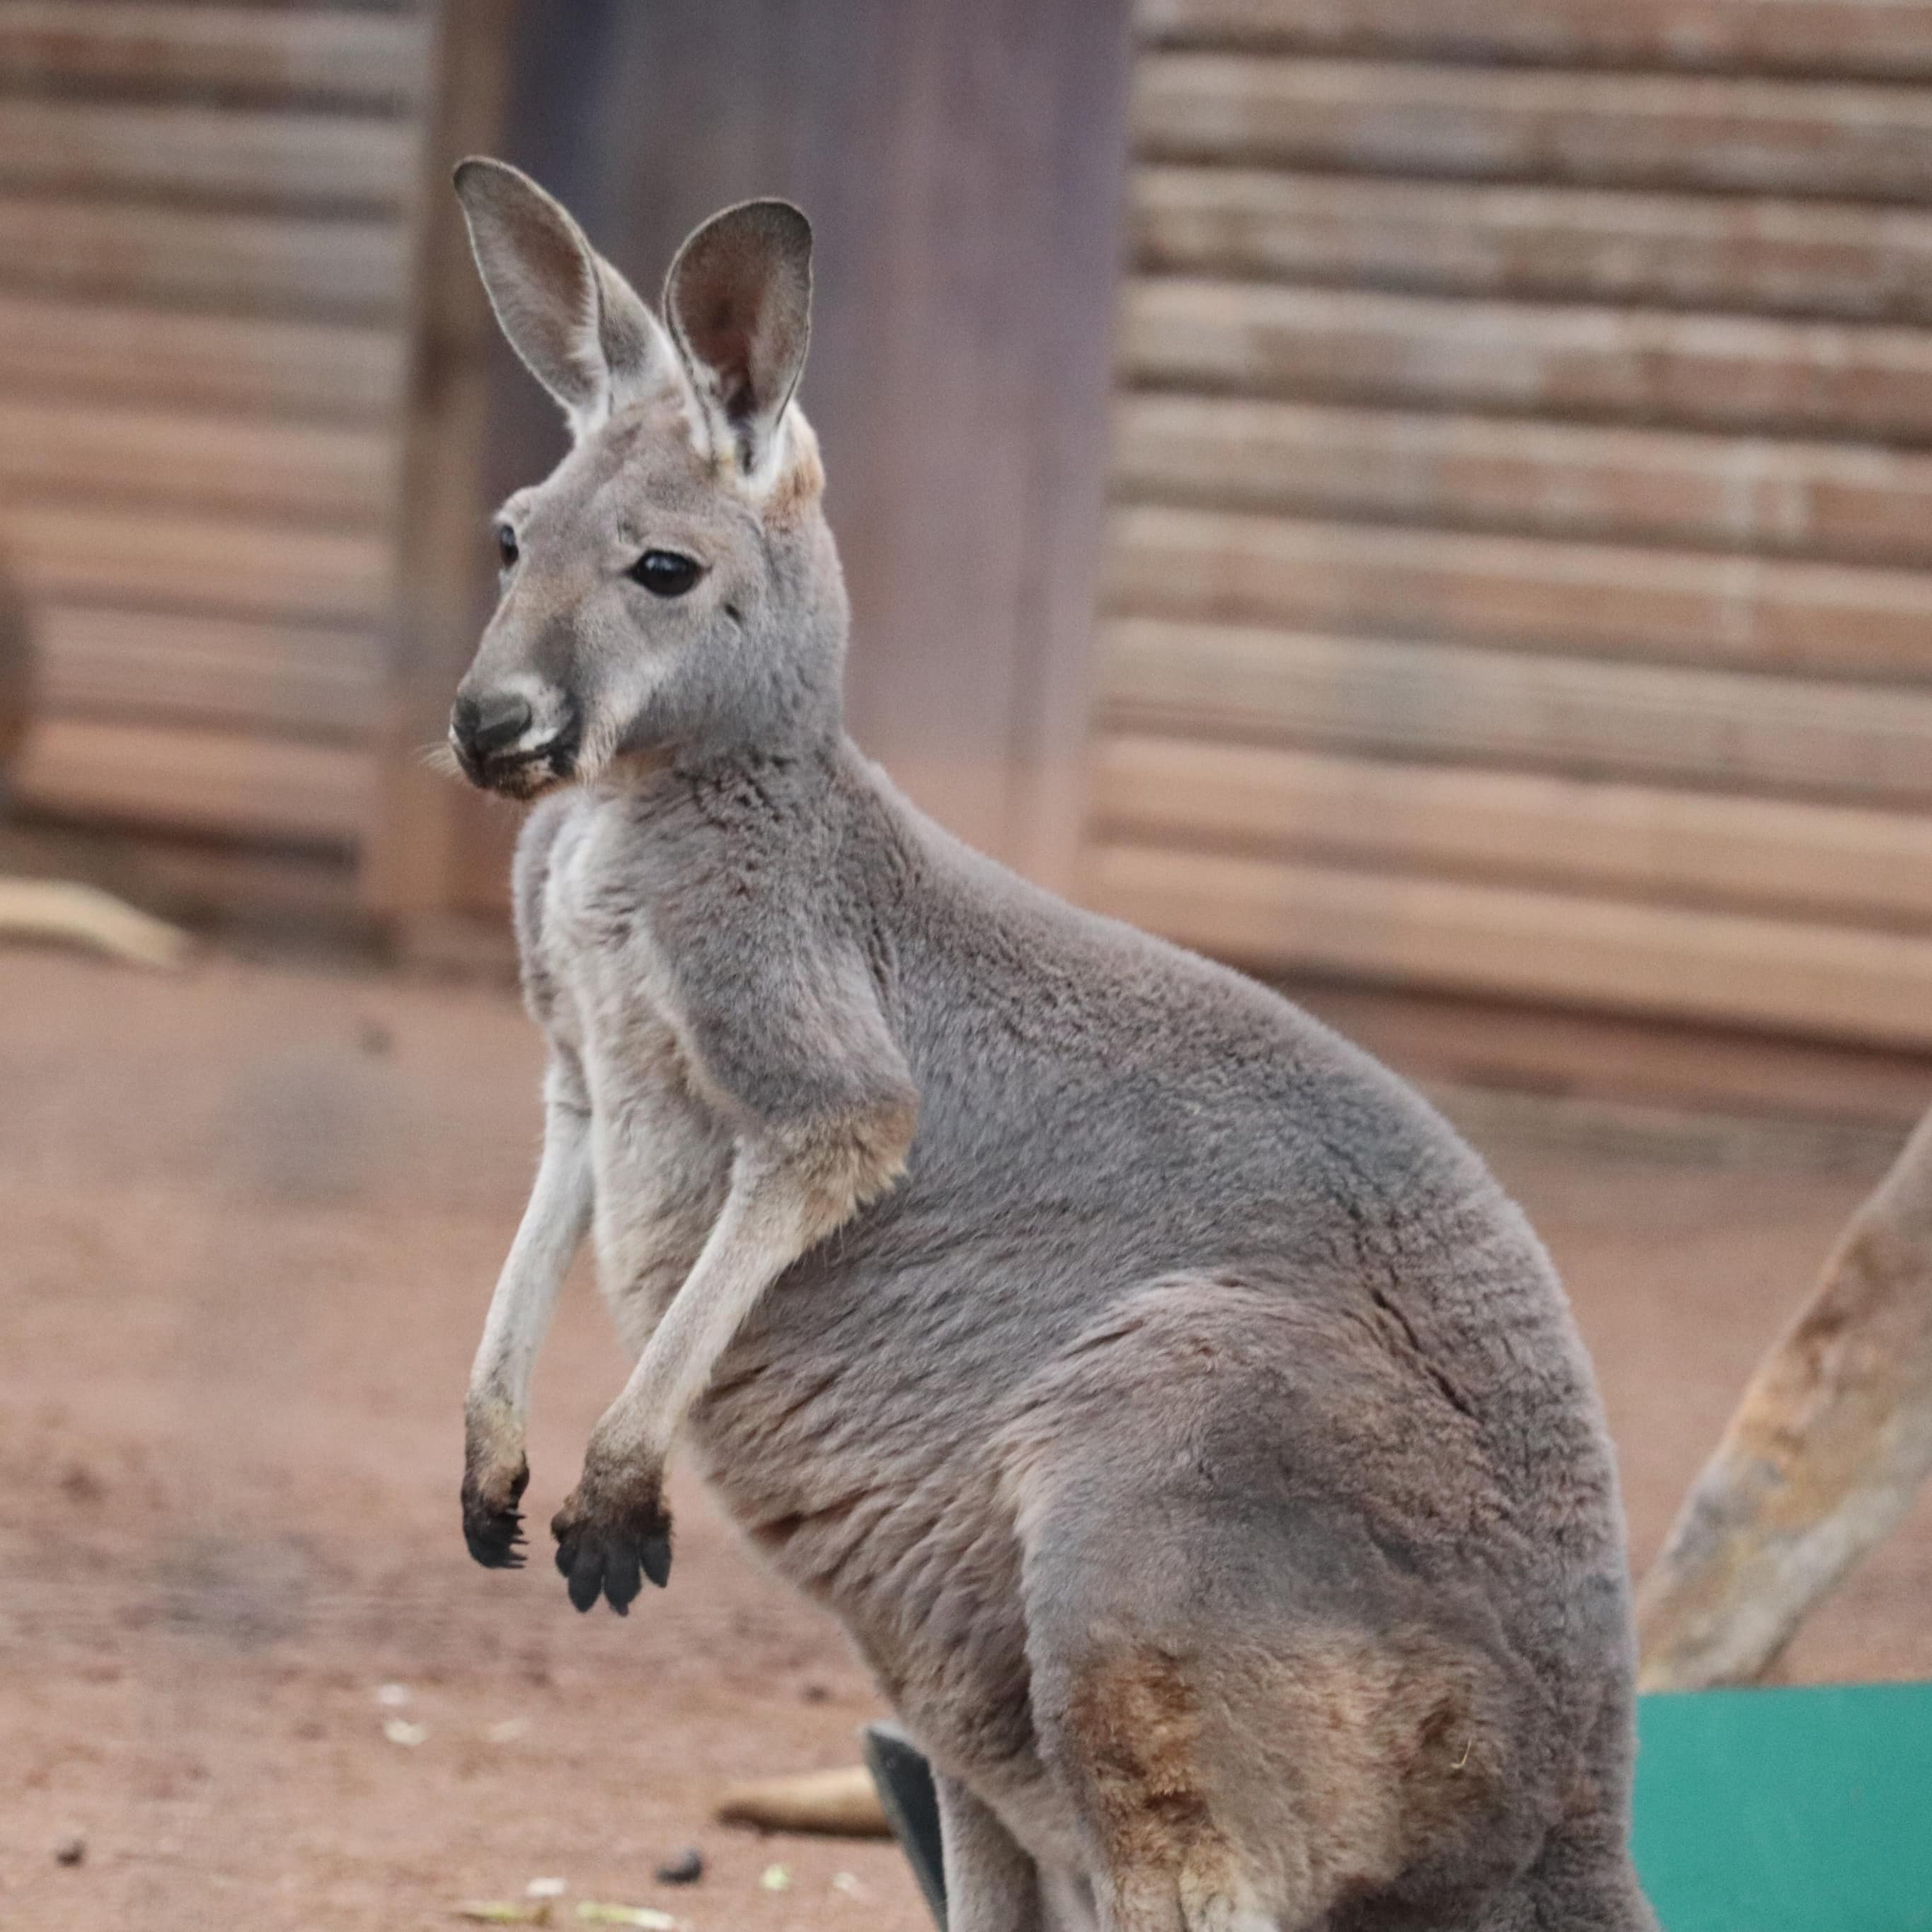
(579, 327)
(739, 301)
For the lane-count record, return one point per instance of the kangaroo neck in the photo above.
(790, 780)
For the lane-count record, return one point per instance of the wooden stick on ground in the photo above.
(841, 1803)
(57, 909)
(1823, 1456)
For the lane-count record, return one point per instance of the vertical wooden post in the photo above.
(412, 854)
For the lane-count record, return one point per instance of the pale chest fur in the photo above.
(661, 1155)
(837, 1506)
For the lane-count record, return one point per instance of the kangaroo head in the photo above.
(671, 586)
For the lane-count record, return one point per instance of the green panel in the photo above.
(1787, 1810)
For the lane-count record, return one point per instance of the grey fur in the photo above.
(1191, 1437)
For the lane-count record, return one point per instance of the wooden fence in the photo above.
(1519, 578)
(205, 242)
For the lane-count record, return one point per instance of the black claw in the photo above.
(495, 1536)
(587, 1575)
(621, 1580)
(494, 1530)
(654, 1554)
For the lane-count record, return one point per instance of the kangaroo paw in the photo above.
(493, 1525)
(606, 1548)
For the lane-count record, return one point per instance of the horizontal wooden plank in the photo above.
(301, 680)
(125, 251)
(1865, 37)
(1824, 981)
(241, 884)
(338, 55)
(1759, 614)
(1831, 260)
(194, 459)
(236, 783)
(1787, 137)
(86, 553)
(1583, 716)
(224, 154)
(1437, 1038)
(1624, 840)
(294, 368)
(1722, 372)
(1842, 500)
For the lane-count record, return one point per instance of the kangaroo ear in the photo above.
(579, 327)
(739, 301)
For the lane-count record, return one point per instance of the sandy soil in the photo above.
(248, 1222)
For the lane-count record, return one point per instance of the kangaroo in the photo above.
(1191, 1437)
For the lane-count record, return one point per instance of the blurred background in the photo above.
(1430, 500)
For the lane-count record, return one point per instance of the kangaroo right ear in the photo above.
(739, 301)
(579, 327)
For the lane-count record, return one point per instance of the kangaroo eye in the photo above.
(507, 552)
(664, 573)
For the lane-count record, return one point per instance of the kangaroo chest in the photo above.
(661, 1153)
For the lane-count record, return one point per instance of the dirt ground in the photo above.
(248, 1222)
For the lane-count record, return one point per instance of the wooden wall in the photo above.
(206, 243)
(1519, 571)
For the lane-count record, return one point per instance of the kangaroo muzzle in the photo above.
(508, 742)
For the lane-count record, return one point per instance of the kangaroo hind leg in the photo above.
(1260, 1712)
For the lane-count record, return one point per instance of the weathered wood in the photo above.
(1841, 500)
(251, 263)
(1582, 444)
(1721, 372)
(243, 785)
(301, 680)
(19, 666)
(1582, 244)
(1438, 1038)
(200, 502)
(371, 57)
(1802, 138)
(1881, 38)
(413, 862)
(81, 915)
(1825, 1454)
(222, 153)
(1579, 715)
(1541, 1123)
(1825, 982)
(81, 554)
(840, 1803)
(305, 369)
(236, 881)
(1756, 614)
(1527, 828)
(316, 472)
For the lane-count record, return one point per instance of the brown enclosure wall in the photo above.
(1519, 576)
(205, 215)
(1518, 567)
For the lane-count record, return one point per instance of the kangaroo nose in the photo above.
(488, 723)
